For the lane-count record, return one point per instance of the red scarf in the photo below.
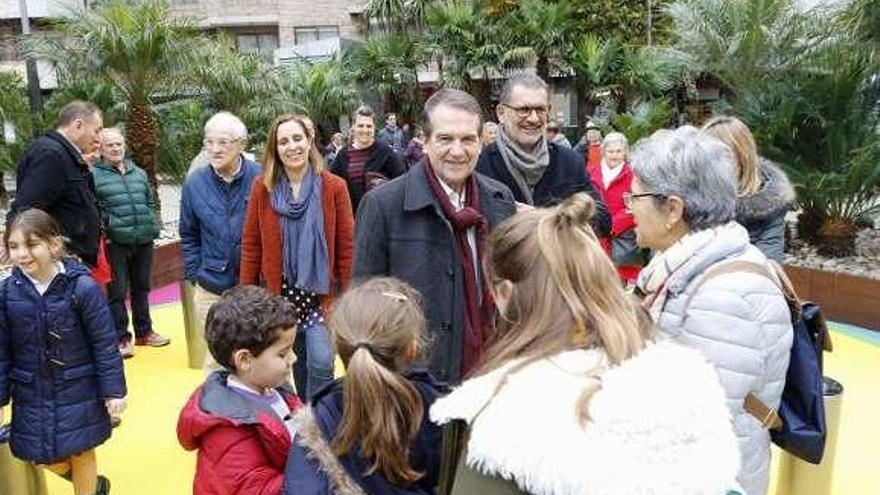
(479, 323)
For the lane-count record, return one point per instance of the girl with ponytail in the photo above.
(369, 432)
(575, 396)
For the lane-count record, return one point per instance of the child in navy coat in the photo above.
(59, 364)
(368, 432)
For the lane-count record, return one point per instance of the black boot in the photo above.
(103, 486)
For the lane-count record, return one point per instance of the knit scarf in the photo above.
(303, 243)
(525, 167)
(654, 279)
(479, 324)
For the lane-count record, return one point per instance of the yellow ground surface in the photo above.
(144, 458)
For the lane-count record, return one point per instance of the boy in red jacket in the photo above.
(239, 419)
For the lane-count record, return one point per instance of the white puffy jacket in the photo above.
(741, 323)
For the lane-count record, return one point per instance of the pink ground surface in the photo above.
(165, 295)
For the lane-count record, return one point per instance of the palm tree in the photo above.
(388, 64)
(14, 117)
(620, 73)
(140, 48)
(542, 29)
(246, 85)
(469, 48)
(322, 90)
(744, 41)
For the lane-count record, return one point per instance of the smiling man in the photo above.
(539, 172)
(428, 228)
(53, 176)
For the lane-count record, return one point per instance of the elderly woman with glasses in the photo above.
(684, 197)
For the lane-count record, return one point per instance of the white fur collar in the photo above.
(659, 426)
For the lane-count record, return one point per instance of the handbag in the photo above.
(626, 252)
(102, 272)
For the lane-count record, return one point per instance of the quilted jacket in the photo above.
(242, 447)
(58, 362)
(126, 203)
(741, 323)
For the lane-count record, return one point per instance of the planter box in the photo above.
(843, 297)
(167, 265)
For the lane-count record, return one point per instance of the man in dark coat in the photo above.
(53, 176)
(539, 172)
(429, 227)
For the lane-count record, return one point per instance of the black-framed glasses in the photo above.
(629, 197)
(524, 112)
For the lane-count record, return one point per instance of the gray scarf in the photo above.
(525, 167)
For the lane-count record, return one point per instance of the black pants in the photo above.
(131, 265)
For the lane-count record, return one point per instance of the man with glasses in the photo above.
(540, 173)
(212, 211)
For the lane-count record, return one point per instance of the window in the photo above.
(257, 43)
(314, 33)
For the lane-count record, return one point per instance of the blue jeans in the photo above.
(314, 365)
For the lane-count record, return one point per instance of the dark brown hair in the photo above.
(35, 223)
(378, 328)
(246, 317)
(273, 168)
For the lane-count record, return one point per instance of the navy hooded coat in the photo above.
(59, 361)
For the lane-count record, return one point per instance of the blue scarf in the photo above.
(304, 245)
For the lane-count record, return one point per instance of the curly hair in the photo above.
(246, 317)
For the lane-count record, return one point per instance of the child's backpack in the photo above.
(799, 425)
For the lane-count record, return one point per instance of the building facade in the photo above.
(263, 26)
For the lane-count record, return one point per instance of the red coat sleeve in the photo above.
(344, 234)
(251, 236)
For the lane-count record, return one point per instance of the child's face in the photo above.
(33, 255)
(272, 367)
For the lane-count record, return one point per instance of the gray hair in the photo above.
(694, 166)
(616, 137)
(453, 98)
(77, 109)
(227, 122)
(522, 80)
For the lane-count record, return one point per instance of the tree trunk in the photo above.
(584, 107)
(4, 194)
(837, 238)
(482, 91)
(143, 141)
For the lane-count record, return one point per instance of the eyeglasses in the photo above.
(629, 197)
(525, 112)
(222, 143)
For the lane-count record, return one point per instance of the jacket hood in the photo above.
(316, 425)
(774, 197)
(213, 405)
(658, 425)
(731, 240)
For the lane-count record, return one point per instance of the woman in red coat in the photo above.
(612, 177)
(298, 241)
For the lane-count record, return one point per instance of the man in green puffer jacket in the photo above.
(126, 202)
